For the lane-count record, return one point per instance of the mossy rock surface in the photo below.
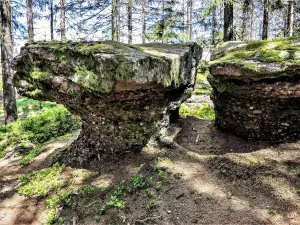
(256, 60)
(256, 89)
(124, 94)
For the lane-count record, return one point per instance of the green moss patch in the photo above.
(282, 51)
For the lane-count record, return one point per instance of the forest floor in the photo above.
(204, 176)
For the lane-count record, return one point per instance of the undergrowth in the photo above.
(37, 130)
(205, 111)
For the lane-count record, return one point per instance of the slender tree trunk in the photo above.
(265, 20)
(63, 20)
(228, 20)
(119, 20)
(115, 20)
(290, 18)
(244, 19)
(189, 18)
(9, 95)
(144, 25)
(214, 24)
(252, 20)
(30, 21)
(51, 20)
(129, 21)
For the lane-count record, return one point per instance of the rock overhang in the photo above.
(124, 94)
(256, 89)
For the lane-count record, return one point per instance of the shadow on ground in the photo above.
(212, 178)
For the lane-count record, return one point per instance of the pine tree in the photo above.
(9, 95)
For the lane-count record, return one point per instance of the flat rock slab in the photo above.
(256, 89)
(124, 94)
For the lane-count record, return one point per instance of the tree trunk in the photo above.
(51, 20)
(244, 19)
(9, 95)
(30, 21)
(213, 25)
(189, 19)
(62, 20)
(115, 20)
(228, 20)
(265, 20)
(144, 6)
(129, 21)
(252, 20)
(290, 18)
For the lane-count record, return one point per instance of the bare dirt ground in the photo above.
(213, 178)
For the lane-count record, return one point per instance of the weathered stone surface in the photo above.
(256, 90)
(124, 94)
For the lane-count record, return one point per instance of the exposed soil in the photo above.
(223, 180)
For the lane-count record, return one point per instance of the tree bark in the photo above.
(213, 25)
(115, 20)
(189, 19)
(265, 20)
(144, 25)
(228, 20)
(29, 20)
(51, 20)
(62, 20)
(244, 19)
(129, 21)
(290, 18)
(9, 95)
(252, 20)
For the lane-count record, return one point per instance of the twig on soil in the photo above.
(197, 139)
(147, 219)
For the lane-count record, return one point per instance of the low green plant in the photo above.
(151, 204)
(97, 217)
(158, 185)
(138, 181)
(273, 212)
(88, 189)
(116, 202)
(102, 210)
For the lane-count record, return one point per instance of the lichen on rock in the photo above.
(124, 94)
(256, 89)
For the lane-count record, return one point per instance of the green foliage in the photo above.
(28, 105)
(37, 129)
(52, 204)
(32, 154)
(202, 91)
(138, 181)
(151, 204)
(273, 212)
(41, 183)
(205, 112)
(158, 185)
(114, 201)
(88, 189)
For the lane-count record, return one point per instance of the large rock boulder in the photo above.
(124, 94)
(256, 89)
